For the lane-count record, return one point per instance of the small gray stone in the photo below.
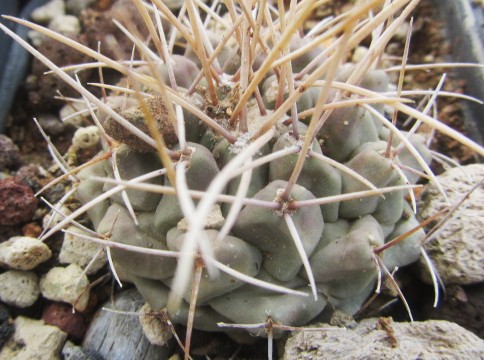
(383, 339)
(77, 250)
(116, 336)
(68, 285)
(458, 250)
(51, 124)
(49, 11)
(74, 352)
(23, 253)
(19, 288)
(33, 339)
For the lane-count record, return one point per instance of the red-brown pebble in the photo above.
(31, 230)
(61, 315)
(17, 202)
(92, 303)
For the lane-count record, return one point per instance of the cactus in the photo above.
(238, 182)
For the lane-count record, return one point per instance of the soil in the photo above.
(428, 45)
(36, 169)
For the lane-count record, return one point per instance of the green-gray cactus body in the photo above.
(323, 179)
(229, 250)
(292, 229)
(338, 238)
(201, 171)
(266, 229)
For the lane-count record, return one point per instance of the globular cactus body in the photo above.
(266, 229)
(296, 222)
(338, 238)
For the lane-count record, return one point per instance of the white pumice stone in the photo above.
(45, 13)
(23, 253)
(69, 285)
(33, 339)
(19, 288)
(78, 250)
(66, 25)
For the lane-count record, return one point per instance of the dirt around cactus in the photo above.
(36, 169)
